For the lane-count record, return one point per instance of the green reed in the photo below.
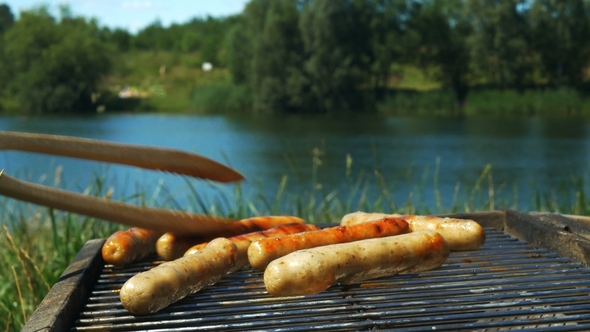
(539, 102)
(38, 243)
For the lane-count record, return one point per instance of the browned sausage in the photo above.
(255, 224)
(264, 251)
(171, 246)
(125, 247)
(244, 241)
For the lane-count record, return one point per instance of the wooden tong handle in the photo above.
(150, 218)
(169, 160)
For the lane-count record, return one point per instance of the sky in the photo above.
(133, 15)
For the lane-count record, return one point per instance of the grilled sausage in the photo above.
(310, 271)
(155, 289)
(171, 246)
(244, 241)
(264, 251)
(255, 224)
(125, 247)
(461, 234)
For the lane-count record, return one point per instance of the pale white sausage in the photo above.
(155, 289)
(461, 234)
(311, 271)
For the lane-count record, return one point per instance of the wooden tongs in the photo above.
(173, 161)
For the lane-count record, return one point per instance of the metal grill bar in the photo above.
(503, 286)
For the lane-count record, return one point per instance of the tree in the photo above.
(6, 18)
(441, 32)
(55, 65)
(121, 39)
(561, 30)
(239, 57)
(6, 21)
(501, 41)
(337, 47)
(277, 53)
(387, 21)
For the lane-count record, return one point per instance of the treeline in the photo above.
(315, 56)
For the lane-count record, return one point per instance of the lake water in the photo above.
(416, 157)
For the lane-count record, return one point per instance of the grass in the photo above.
(548, 102)
(412, 78)
(167, 79)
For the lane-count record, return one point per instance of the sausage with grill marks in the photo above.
(244, 241)
(461, 234)
(125, 247)
(310, 271)
(255, 224)
(264, 251)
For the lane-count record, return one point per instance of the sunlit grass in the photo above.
(38, 243)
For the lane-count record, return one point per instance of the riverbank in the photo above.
(172, 82)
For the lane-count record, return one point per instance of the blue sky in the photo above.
(134, 15)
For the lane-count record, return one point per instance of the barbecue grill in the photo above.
(532, 273)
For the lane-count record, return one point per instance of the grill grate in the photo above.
(505, 285)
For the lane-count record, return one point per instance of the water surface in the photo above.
(416, 157)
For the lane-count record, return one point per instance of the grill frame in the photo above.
(566, 238)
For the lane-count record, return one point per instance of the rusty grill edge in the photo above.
(532, 273)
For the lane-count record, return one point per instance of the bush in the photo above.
(221, 98)
(434, 102)
(54, 66)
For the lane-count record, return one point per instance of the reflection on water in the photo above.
(414, 156)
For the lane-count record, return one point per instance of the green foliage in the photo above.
(435, 102)
(122, 39)
(316, 56)
(310, 56)
(559, 27)
(560, 102)
(277, 55)
(439, 34)
(221, 98)
(6, 22)
(337, 49)
(205, 36)
(55, 66)
(488, 102)
(502, 44)
(6, 18)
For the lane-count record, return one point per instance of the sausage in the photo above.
(244, 241)
(155, 289)
(255, 224)
(125, 247)
(264, 251)
(171, 246)
(310, 271)
(461, 234)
